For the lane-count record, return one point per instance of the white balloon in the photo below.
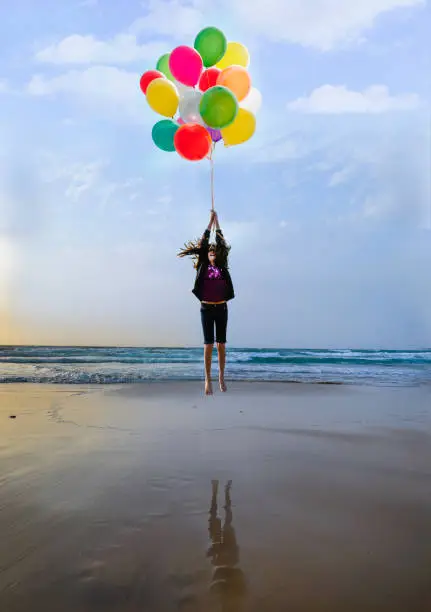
(182, 89)
(189, 106)
(253, 101)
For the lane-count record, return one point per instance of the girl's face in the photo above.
(212, 258)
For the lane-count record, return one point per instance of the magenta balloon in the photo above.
(215, 134)
(186, 65)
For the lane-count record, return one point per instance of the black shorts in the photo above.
(214, 314)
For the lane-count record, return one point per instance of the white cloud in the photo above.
(165, 199)
(342, 176)
(378, 206)
(241, 233)
(393, 186)
(323, 24)
(167, 19)
(88, 182)
(104, 88)
(53, 167)
(82, 179)
(264, 152)
(121, 49)
(289, 226)
(331, 99)
(81, 182)
(171, 18)
(4, 86)
(276, 151)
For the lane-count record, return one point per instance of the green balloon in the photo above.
(211, 43)
(218, 107)
(163, 134)
(163, 66)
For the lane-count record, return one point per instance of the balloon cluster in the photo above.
(208, 85)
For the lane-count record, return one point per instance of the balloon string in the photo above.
(212, 176)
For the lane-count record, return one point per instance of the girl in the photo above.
(213, 288)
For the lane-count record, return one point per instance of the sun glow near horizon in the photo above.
(7, 264)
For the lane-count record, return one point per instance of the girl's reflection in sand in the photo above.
(228, 582)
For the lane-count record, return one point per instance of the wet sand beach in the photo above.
(273, 497)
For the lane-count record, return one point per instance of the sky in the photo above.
(327, 208)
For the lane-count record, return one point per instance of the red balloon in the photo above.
(209, 78)
(148, 77)
(192, 141)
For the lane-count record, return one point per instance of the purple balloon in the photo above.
(215, 134)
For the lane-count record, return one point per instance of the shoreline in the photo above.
(257, 381)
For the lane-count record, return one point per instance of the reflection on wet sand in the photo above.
(228, 582)
(94, 518)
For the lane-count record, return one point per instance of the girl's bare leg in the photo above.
(221, 350)
(208, 354)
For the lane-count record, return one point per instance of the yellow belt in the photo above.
(223, 302)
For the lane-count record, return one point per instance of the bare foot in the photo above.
(208, 387)
(222, 383)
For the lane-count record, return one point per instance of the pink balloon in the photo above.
(181, 121)
(186, 65)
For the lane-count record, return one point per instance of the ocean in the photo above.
(113, 365)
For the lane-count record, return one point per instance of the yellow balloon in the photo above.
(241, 130)
(163, 97)
(237, 54)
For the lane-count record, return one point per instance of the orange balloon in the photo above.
(237, 79)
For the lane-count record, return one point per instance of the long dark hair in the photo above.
(198, 251)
